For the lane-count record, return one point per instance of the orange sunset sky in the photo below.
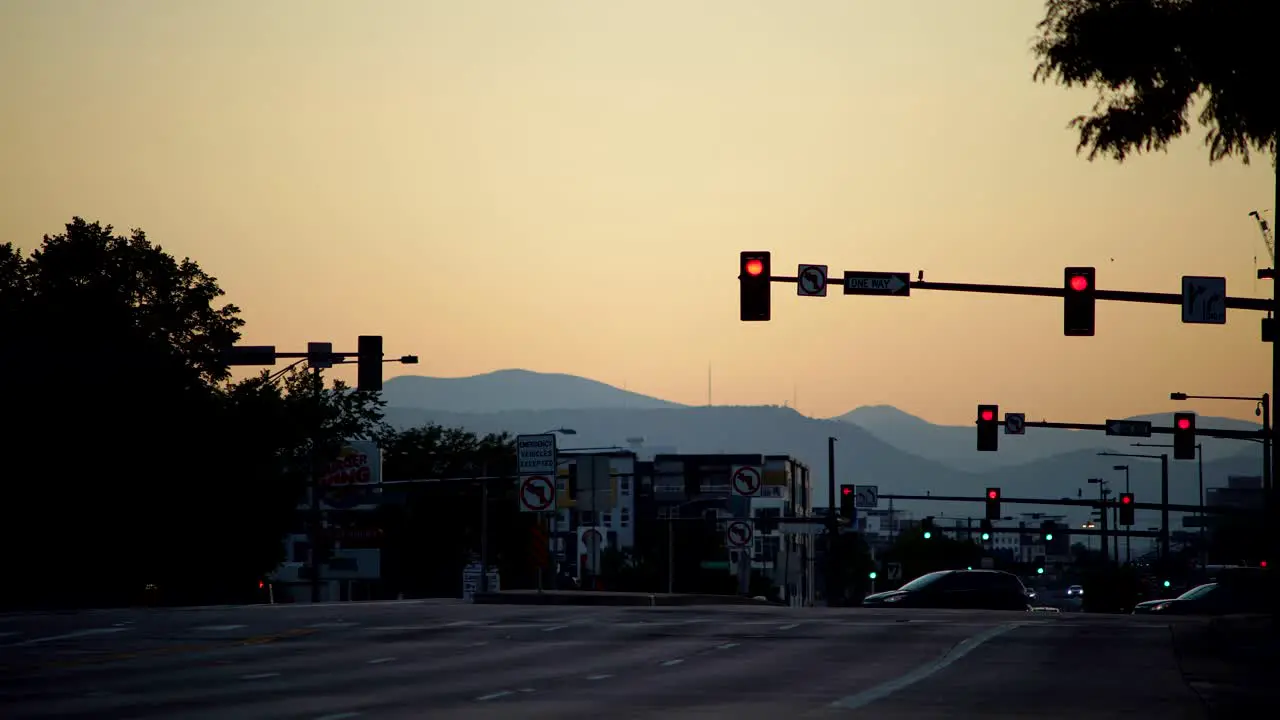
(564, 186)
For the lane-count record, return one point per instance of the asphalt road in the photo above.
(454, 660)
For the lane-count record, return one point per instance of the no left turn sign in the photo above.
(739, 534)
(745, 480)
(537, 493)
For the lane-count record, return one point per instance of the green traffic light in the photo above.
(1167, 583)
(1039, 571)
(872, 575)
(986, 536)
(927, 534)
(969, 568)
(1048, 536)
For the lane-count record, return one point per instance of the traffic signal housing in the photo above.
(369, 367)
(754, 291)
(1184, 436)
(927, 526)
(1078, 301)
(988, 428)
(846, 501)
(1126, 508)
(993, 504)
(1046, 531)
(986, 528)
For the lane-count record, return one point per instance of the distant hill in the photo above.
(505, 390)
(876, 445)
(954, 445)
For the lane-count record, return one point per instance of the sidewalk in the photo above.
(1232, 663)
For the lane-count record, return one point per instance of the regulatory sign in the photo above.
(1204, 300)
(866, 496)
(537, 493)
(870, 282)
(738, 534)
(893, 571)
(536, 454)
(811, 281)
(745, 479)
(1015, 423)
(1129, 428)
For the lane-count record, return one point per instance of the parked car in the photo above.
(957, 589)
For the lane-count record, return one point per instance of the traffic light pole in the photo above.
(833, 527)
(1164, 495)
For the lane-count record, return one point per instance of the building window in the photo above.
(624, 486)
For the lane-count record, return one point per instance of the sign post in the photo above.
(536, 466)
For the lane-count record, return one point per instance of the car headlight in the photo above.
(1159, 607)
(894, 598)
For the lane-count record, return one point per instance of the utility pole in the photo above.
(317, 516)
(833, 526)
(484, 528)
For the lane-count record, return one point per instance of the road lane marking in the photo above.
(726, 646)
(554, 628)
(260, 676)
(479, 644)
(885, 689)
(339, 716)
(669, 663)
(789, 626)
(493, 696)
(8, 634)
(606, 676)
(379, 661)
(323, 625)
(219, 628)
(69, 636)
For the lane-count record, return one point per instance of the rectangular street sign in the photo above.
(871, 282)
(536, 454)
(1204, 300)
(1129, 428)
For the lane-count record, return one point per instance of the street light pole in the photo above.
(1164, 496)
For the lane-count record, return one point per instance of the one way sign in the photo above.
(870, 282)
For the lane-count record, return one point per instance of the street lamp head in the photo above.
(567, 431)
(409, 360)
(1177, 396)
(1257, 411)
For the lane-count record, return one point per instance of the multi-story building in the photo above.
(595, 507)
(683, 488)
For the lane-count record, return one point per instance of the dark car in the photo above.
(956, 589)
(1215, 598)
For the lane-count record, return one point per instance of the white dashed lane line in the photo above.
(379, 661)
(553, 628)
(789, 626)
(726, 646)
(599, 677)
(260, 676)
(669, 663)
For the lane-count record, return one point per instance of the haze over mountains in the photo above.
(878, 445)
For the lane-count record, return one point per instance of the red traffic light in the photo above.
(1126, 499)
(261, 584)
(1079, 283)
(846, 491)
(1262, 564)
(1184, 423)
(988, 415)
(993, 494)
(754, 267)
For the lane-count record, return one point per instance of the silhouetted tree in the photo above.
(134, 463)
(1150, 60)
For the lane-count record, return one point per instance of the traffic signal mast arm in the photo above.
(1241, 303)
(1219, 510)
(1207, 432)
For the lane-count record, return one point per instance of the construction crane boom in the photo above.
(1267, 238)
